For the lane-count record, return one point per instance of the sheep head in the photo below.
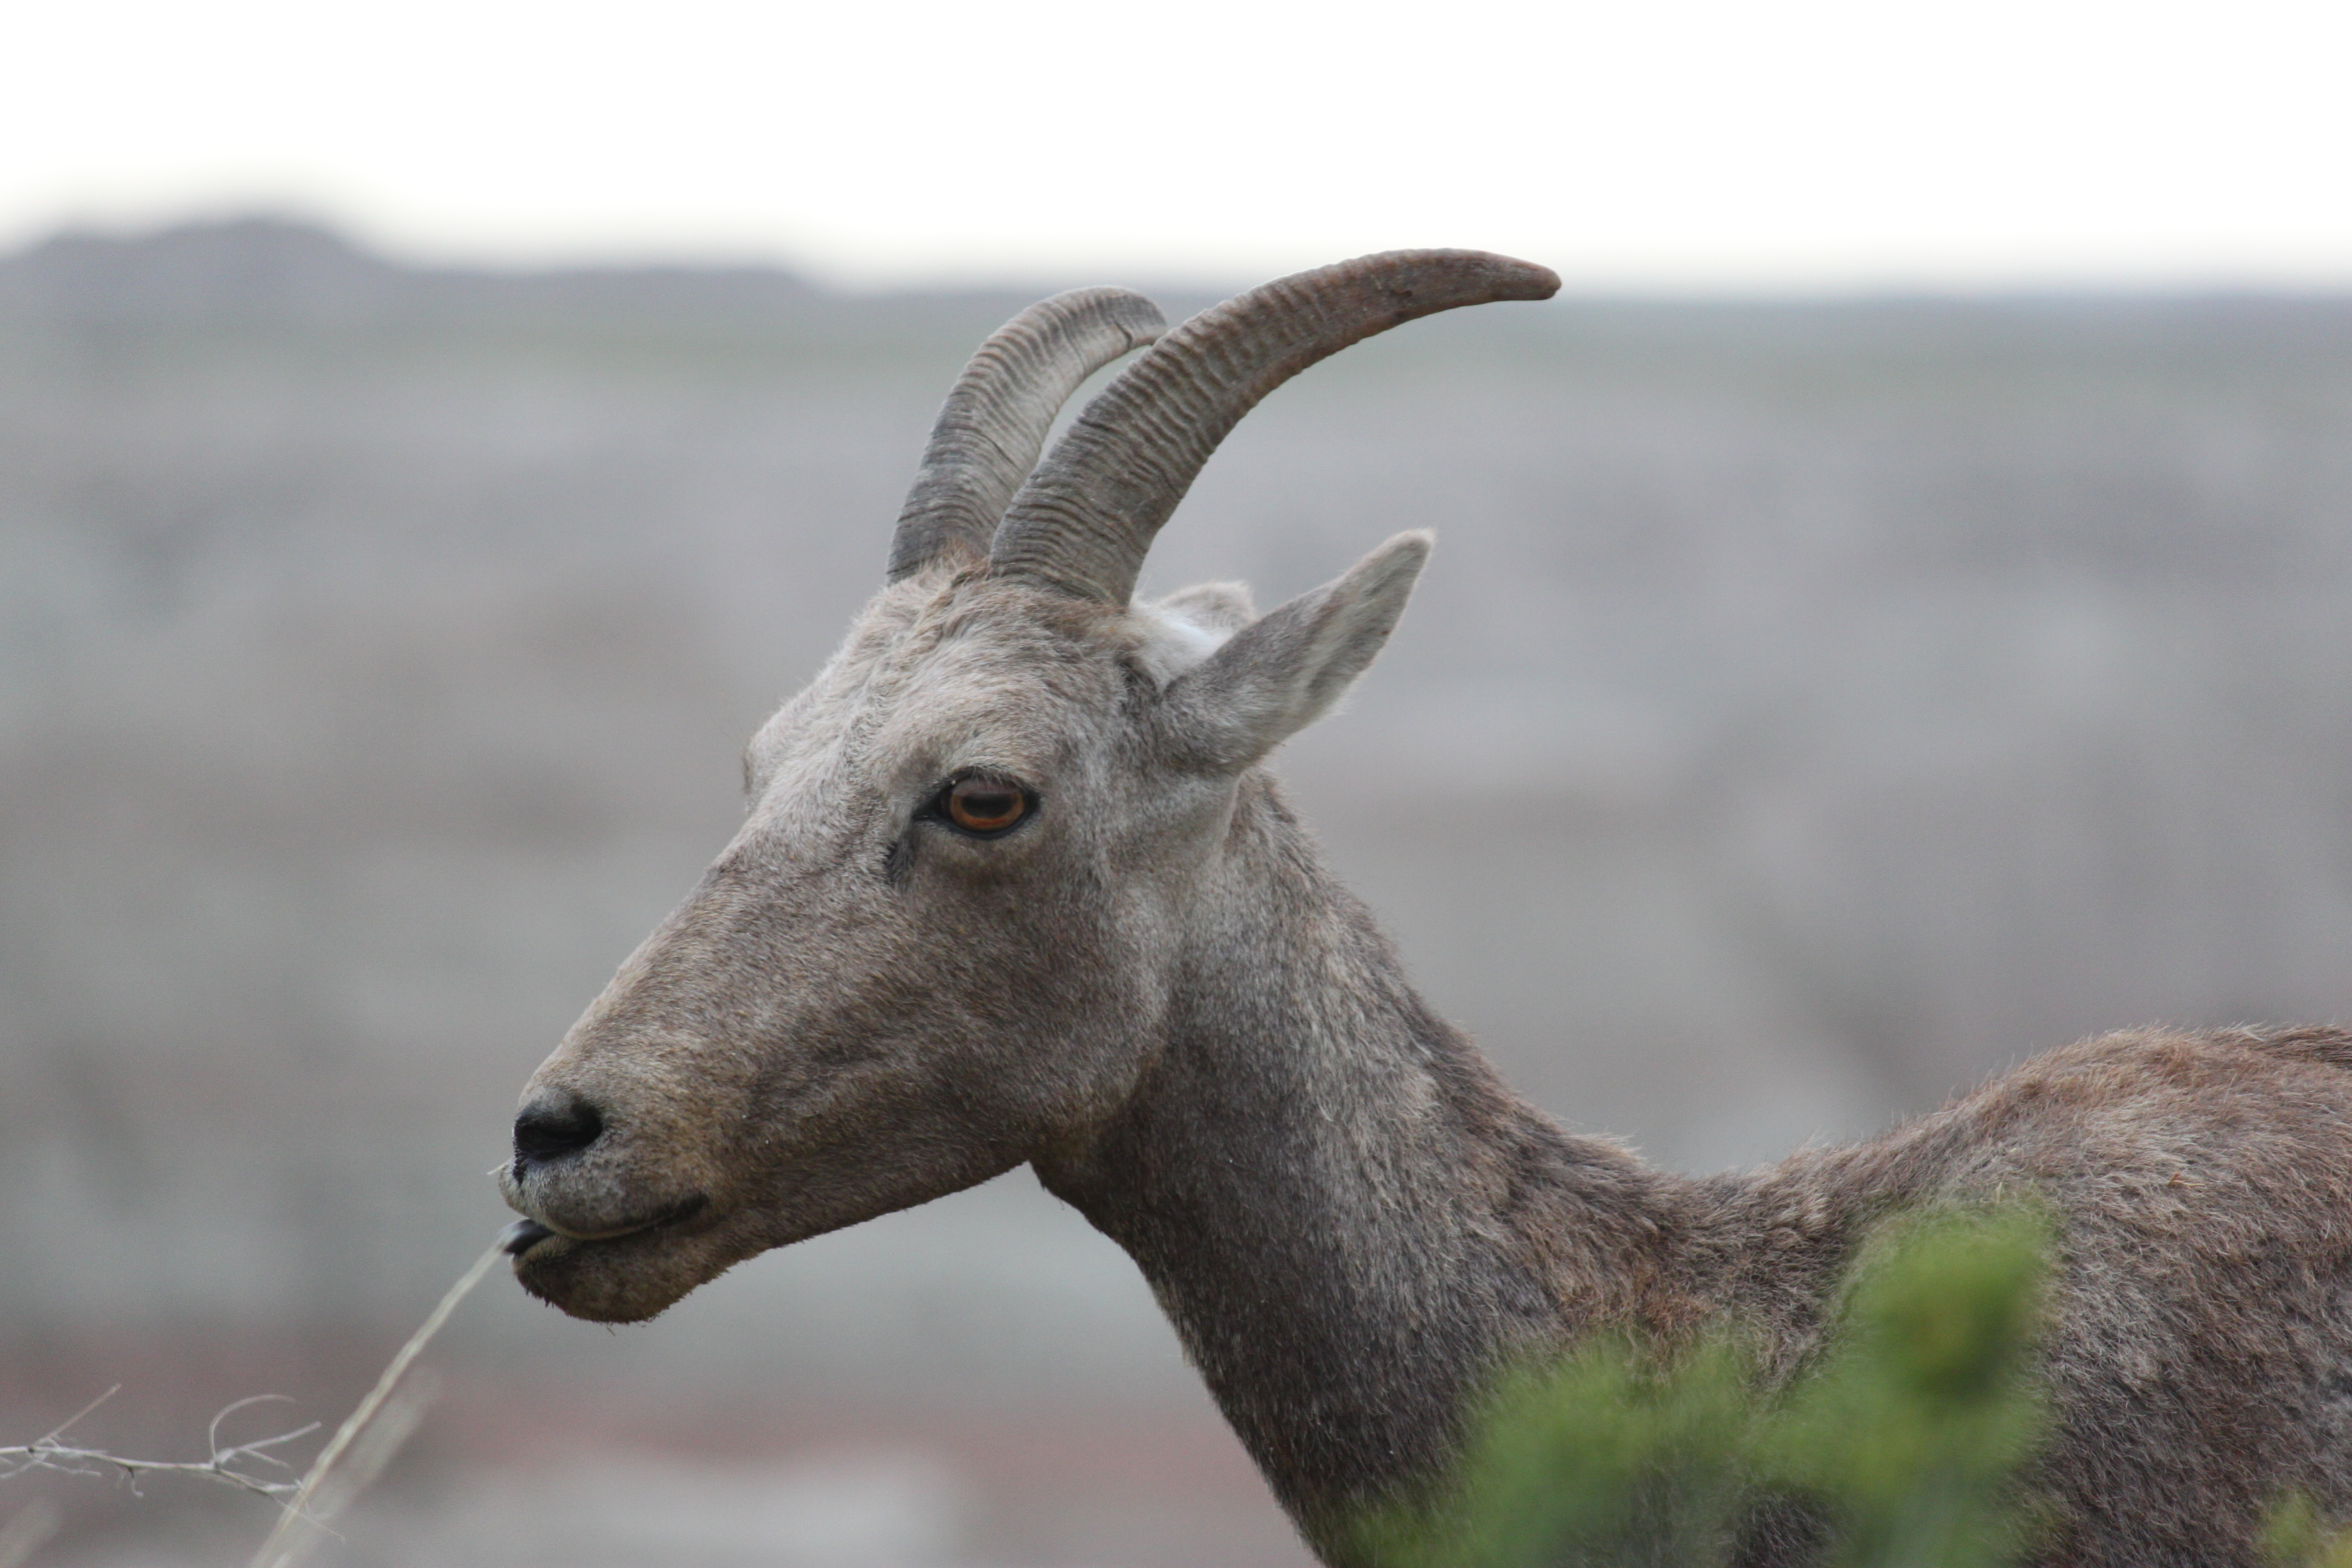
(944, 939)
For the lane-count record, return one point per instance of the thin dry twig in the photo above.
(231, 1464)
(346, 1466)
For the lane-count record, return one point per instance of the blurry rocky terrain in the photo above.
(1811, 707)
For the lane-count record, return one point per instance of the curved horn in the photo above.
(996, 417)
(1084, 520)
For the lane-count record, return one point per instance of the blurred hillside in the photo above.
(1811, 707)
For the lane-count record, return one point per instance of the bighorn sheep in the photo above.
(1014, 887)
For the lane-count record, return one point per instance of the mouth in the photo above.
(625, 1274)
(522, 1237)
(517, 1239)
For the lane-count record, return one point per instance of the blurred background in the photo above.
(1893, 614)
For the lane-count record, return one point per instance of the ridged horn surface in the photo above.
(996, 417)
(1084, 520)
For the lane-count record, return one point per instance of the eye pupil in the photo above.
(985, 806)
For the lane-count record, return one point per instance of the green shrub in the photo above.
(1901, 1447)
(2296, 1537)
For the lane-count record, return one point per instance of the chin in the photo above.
(624, 1280)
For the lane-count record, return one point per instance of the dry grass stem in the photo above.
(331, 1486)
(350, 1463)
(28, 1530)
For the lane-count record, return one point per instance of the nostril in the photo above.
(555, 1123)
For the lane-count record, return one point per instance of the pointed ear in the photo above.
(1281, 673)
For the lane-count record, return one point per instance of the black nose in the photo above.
(555, 1123)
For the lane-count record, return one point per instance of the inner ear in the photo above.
(1283, 672)
(1176, 633)
(1212, 606)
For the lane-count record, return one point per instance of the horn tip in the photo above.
(1132, 313)
(1510, 278)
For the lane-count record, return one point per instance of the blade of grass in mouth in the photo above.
(300, 1525)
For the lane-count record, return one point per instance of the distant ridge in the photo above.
(255, 269)
(275, 271)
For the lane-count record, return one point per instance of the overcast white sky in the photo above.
(1669, 145)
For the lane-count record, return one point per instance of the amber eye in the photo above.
(983, 804)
